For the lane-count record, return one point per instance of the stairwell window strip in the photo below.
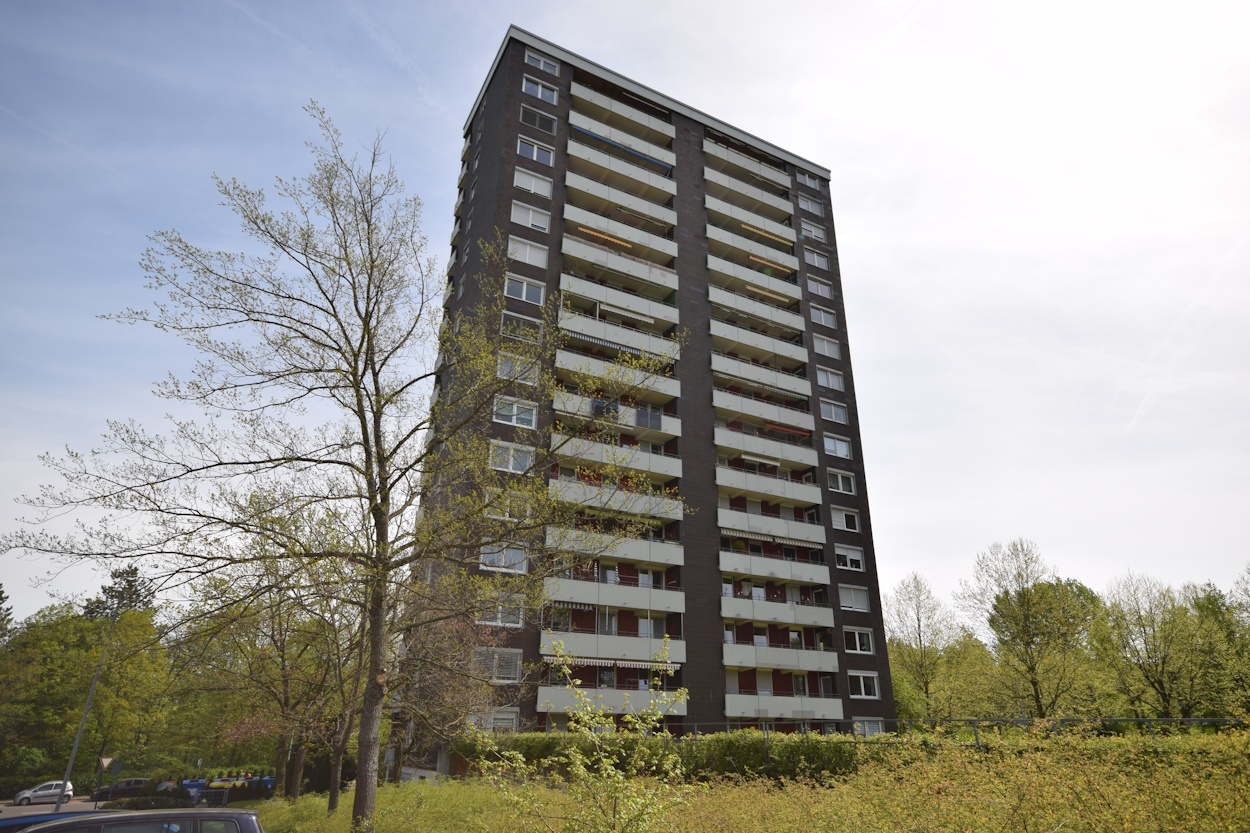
(532, 182)
(530, 149)
(541, 91)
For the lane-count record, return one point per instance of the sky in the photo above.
(1042, 214)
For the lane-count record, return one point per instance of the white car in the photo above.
(45, 793)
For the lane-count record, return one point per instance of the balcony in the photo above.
(617, 500)
(599, 331)
(559, 700)
(764, 305)
(617, 374)
(641, 551)
(772, 377)
(750, 224)
(782, 657)
(777, 569)
(464, 171)
(739, 482)
(611, 646)
(641, 244)
(645, 424)
(742, 167)
(620, 263)
(728, 336)
(728, 189)
(615, 595)
(455, 232)
(619, 114)
(464, 149)
(623, 138)
(639, 305)
(730, 404)
(751, 255)
(782, 613)
(617, 173)
(576, 448)
(734, 443)
(597, 197)
(737, 521)
(729, 275)
(772, 707)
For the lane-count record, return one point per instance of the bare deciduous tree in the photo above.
(920, 628)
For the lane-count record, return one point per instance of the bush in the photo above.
(149, 802)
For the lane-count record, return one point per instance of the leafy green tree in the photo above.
(6, 616)
(920, 628)
(129, 591)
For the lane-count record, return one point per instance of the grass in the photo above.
(1071, 783)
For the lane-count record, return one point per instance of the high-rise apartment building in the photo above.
(648, 218)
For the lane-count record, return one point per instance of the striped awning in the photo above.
(776, 539)
(599, 662)
(573, 605)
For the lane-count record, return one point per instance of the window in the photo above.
(506, 506)
(845, 519)
(531, 217)
(849, 558)
(517, 369)
(534, 150)
(838, 446)
(499, 665)
(537, 59)
(504, 720)
(833, 411)
(823, 316)
(515, 411)
(510, 457)
(807, 179)
(508, 615)
(523, 289)
(863, 685)
(533, 183)
(853, 598)
(535, 119)
(527, 252)
(814, 258)
(827, 347)
(520, 327)
(822, 289)
(857, 640)
(509, 558)
(538, 89)
(814, 231)
(827, 378)
(841, 481)
(811, 205)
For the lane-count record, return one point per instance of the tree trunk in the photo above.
(370, 743)
(295, 772)
(336, 757)
(279, 770)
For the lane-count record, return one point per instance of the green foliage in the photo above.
(148, 802)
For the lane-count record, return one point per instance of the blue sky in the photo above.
(1042, 215)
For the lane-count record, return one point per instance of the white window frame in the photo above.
(527, 377)
(533, 150)
(504, 506)
(814, 230)
(518, 332)
(527, 252)
(846, 520)
(508, 562)
(811, 205)
(516, 607)
(838, 478)
(819, 288)
(531, 217)
(844, 558)
(807, 179)
(827, 377)
(543, 87)
(491, 657)
(851, 676)
(836, 451)
(540, 61)
(854, 594)
(537, 121)
(500, 720)
(533, 183)
(827, 347)
(832, 416)
(824, 317)
(814, 258)
(859, 633)
(868, 726)
(513, 411)
(512, 464)
(530, 291)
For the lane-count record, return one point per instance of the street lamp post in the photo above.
(82, 724)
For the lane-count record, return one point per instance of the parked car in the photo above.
(14, 823)
(125, 788)
(157, 821)
(45, 793)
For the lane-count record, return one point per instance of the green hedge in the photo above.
(747, 752)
